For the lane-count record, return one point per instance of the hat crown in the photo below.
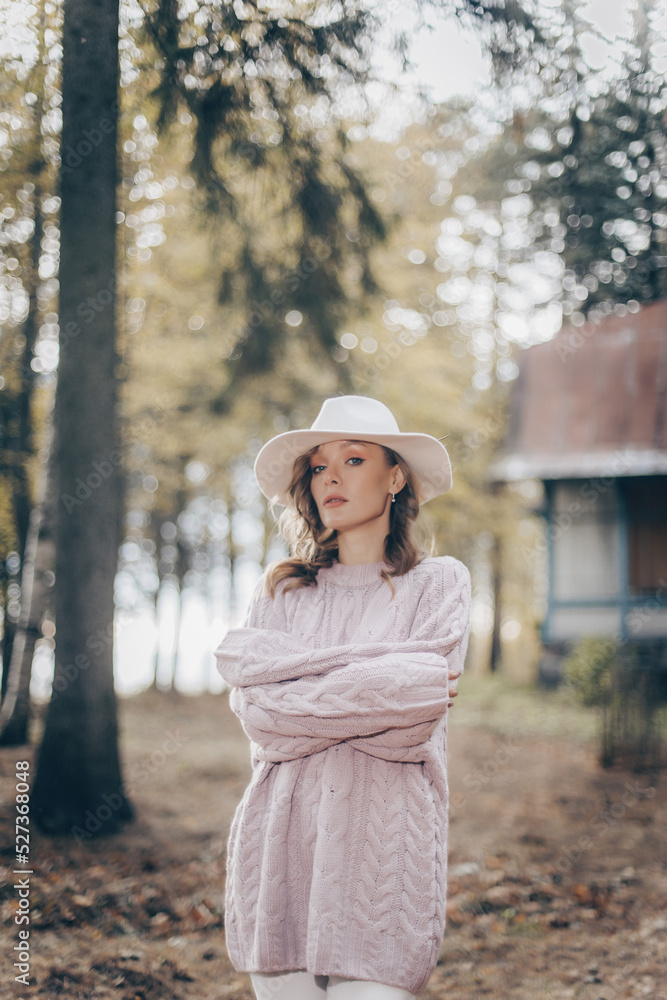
(359, 418)
(355, 415)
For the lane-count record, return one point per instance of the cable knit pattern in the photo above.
(337, 854)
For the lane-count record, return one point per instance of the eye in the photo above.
(352, 458)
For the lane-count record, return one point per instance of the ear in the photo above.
(398, 480)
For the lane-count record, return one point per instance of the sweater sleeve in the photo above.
(442, 622)
(406, 689)
(359, 699)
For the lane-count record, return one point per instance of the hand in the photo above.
(452, 695)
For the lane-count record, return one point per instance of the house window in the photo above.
(585, 539)
(646, 507)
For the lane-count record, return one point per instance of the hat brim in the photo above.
(426, 456)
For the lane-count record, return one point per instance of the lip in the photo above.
(335, 499)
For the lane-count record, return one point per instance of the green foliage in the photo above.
(259, 87)
(588, 669)
(590, 155)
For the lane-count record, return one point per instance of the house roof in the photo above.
(591, 402)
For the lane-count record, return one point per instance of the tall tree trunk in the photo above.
(8, 632)
(157, 523)
(38, 560)
(496, 559)
(21, 441)
(156, 658)
(232, 550)
(496, 583)
(78, 786)
(178, 616)
(177, 578)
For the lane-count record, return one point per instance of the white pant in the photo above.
(306, 986)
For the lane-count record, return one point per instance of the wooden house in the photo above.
(589, 419)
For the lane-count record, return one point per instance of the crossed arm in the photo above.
(385, 698)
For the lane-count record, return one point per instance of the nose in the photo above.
(330, 475)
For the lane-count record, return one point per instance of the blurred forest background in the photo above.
(213, 216)
(289, 227)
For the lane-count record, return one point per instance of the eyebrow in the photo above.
(353, 441)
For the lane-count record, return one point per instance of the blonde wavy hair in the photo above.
(314, 546)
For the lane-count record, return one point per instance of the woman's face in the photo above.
(358, 472)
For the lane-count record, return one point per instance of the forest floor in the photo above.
(557, 881)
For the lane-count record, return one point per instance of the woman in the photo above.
(342, 674)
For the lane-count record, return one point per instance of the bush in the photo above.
(588, 670)
(628, 682)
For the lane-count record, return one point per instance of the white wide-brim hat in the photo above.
(363, 419)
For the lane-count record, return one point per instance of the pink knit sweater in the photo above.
(337, 853)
